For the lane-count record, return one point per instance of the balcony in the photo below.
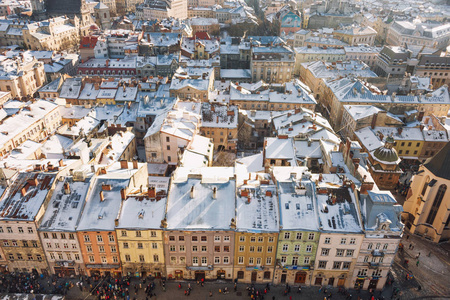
(373, 265)
(377, 253)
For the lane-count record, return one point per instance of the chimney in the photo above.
(102, 197)
(61, 163)
(320, 177)
(106, 187)
(269, 193)
(151, 192)
(422, 127)
(400, 130)
(374, 121)
(123, 164)
(249, 199)
(217, 119)
(66, 188)
(116, 222)
(192, 192)
(24, 190)
(123, 194)
(33, 182)
(214, 193)
(135, 164)
(213, 108)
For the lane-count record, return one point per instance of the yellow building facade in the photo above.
(255, 255)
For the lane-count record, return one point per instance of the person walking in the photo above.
(417, 263)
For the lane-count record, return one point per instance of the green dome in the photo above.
(385, 154)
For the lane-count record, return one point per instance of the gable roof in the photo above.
(438, 164)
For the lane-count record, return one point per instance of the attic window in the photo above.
(297, 206)
(286, 205)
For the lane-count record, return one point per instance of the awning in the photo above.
(101, 266)
(199, 268)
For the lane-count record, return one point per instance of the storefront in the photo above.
(104, 270)
(359, 283)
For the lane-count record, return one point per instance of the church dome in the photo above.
(385, 154)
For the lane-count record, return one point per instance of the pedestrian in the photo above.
(407, 236)
(210, 293)
(417, 263)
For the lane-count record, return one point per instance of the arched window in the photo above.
(425, 186)
(437, 202)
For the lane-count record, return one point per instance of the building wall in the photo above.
(265, 70)
(22, 247)
(419, 202)
(221, 137)
(338, 275)
(27, 83)
(255, 255)
(296, 253)
(63, 253)
(100, 252)
(141, 252)
(181, 253)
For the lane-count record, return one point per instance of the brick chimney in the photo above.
(123, 194)
(66, 188)
(102, 197)
(135, 164)
(123, 164)
(151, 192)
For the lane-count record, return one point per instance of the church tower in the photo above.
(102, 16)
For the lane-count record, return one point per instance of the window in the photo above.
(54, 236)
(154, 245)
(240, 274)
(71, 236)
(283, 259)
(436, 204)
(34, 243)
(138, 233)
(39, 257)
(194, 248)
(252, 248)
(287, 235)
(343, 241)
(226, 248)
(111, 238)
(86, 238)
(296, 247)
(56, 245)
(25, 243)
(127, 257)
(251, 260)
(260, 239)
(60, 256)
(153, 233)
(322, 264)
(370, 246)
(204, 249)
(253, 239)
(311, 236)
(241, 260)
(20, 229)
(271, 239)
(306, 260)
(352, 241)
(270, 249)
(45, 235)
(366, 258)
(9, 229)
(99, 239)
(299, 236)
(141, 258)
(125, 245)
(285, 247)
(140, 246)
(385, 246)
(308, 248)
(337, 265)
(155, 258)
(295, 260)
(172, 248)
(242, 238)
(269, 260)
(88, 248)
(241, 248)
(216, 238)
(101, 248)
(63, 236)
(325, 251)
(327, 240)
(204, 261)
(349, 253)
(171, 238)
(362, 272)
(226, 238)
(113, 249)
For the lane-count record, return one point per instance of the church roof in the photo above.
(439, 164)
(101, 5)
